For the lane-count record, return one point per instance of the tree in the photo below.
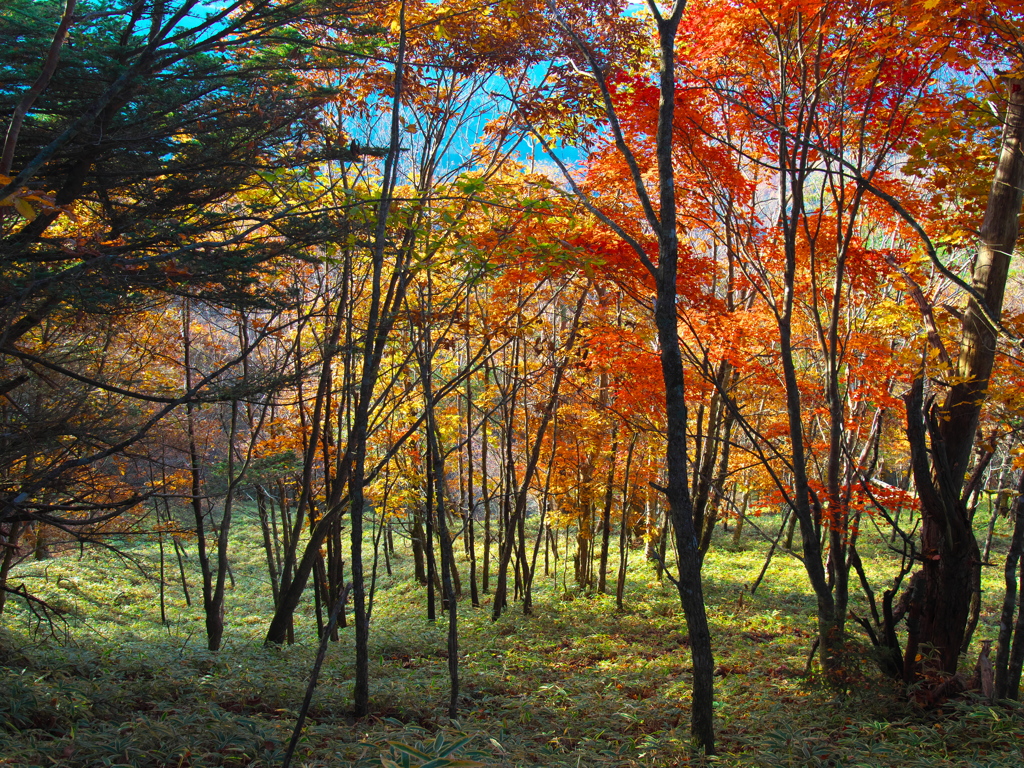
(659, 204)
(820, 113)
(410, 207)
(941, 591)
(113, 201)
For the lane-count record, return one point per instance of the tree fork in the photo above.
(940, 600)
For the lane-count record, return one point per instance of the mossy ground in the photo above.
(576, 684)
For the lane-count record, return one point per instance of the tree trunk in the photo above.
(262, 503)
(999, 229)
(470, 506)
(485, 498)
(661, 216)
(941, 590)
(620, 581)
(940, 593)
(1007, 676)
(522, 492)
(606, 516)
(292, 594)
(436, 492)
(10, 545)
(691, 592)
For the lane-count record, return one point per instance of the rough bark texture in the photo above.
(940, 593)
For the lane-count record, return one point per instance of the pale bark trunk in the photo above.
(999, 230)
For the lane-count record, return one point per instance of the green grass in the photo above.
(576, 684)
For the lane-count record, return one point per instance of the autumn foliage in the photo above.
(510, 283)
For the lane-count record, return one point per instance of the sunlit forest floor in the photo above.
(577, 684)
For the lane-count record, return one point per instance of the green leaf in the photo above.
(471, 186)
(452, 747)
(407, 750)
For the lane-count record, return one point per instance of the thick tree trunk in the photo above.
(999, 229)
(941, 591)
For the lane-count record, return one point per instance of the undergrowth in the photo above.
(576, 684)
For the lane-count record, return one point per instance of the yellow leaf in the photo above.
(26, 210)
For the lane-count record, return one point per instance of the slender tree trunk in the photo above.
(662, 547)
(379, 321)
(10, 544)
(214, 621)
(179, 550)
(501, 589)
(262, 501)
(1007, 676)
(295, 572)
(606, 517)
(436, 479)
(215, 609)
(486, 499)
(542, 525)
(680, 511)
(662, 218)
(620, 581)
(741, 517)
(470, 506)
(419, 543)
(428, 517)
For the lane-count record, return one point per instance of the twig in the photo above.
(321, 653)
(47, 611)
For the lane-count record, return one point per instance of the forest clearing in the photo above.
(617, 382)
(577, 683)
